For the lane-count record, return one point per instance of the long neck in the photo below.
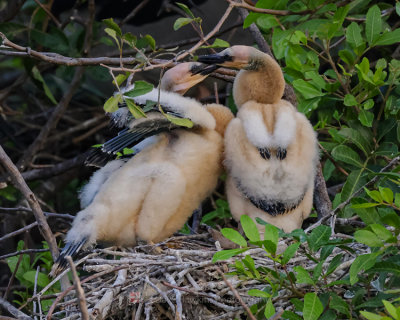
(262, 82)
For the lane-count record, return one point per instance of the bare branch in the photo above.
(13, 310)
(79, 291)
(21, 185)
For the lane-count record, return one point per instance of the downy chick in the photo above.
(271, 150)
(151, 196)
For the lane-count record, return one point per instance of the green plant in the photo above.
(317, 292)
(32, 271)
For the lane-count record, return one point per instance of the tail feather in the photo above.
(70, 249)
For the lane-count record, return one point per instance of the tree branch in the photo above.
(21, 185)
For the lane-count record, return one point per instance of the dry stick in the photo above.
(134, 12)
(66, 291)
(21, 185)
(393, 163)
(251, 316)
(48, 12)
(47, 214)
(22, 252)
(13, 310)
(178, 296)
(19, 231)
(78, 289)
(12, 277)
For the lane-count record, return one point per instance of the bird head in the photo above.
(185, 75)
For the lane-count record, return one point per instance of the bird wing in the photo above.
(135, 132)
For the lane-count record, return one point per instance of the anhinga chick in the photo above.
(151, 196)
(271, 149)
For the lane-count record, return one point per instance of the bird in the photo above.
(271, 149)
(151, 195)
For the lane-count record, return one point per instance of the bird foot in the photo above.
(281, 153)
(265, 153)
(155, 249)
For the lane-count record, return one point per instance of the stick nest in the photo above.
(178, 282)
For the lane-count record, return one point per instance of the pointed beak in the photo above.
(214, 59)
(204, 70)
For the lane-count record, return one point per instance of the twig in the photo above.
(78, 289)
(19, 231)
(33, 203)
(179, 309)
(48, 12)
(22, 252)
(47, 214)
(251, 316)
(134, 12)
(12, 277)
(147, 280)
(13, 310)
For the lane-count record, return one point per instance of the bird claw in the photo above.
(281, 153)
(265, 153)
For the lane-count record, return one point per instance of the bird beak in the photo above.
(214, 59)
(204, 70)
(197, 74)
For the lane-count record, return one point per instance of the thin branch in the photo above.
(19, 231)
(22, 252)
(13, 310)
(234, 291)
(47, 214)
(134, 12)
(79, 291)
(48, 12)
(21, 185)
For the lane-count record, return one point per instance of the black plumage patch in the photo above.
(272, 207)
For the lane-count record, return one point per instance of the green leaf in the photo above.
(387, 194)
(111, 104)
(350, 100)
(145, 41)
(391, 309)
(250, 228)
(365, 205)
(373, 25)
(218, 43)
(180, 22)
(363, 262)
(303, 276)
(113, 35)
(112, 25)
(367, 237)
(36, 74)
(183, 122)
(318, 237)
(234, 236)
(120, 78)
(290, 252)
(226, 254)
(375, 195)
(382, 233)
(272, 234)
(359, 139)
(398, 8)
(135, 110)
(385, 266)
(306, 89)
(370, 315)
(258, 293)
(269, 309)
(185, 8)
(140, 88)
(42, 279)
(368, 104)
(353, 35)
(130, 39)
(291, 315)
(312, 307)
(366, 118)
(335, 262)
(338, 304)
(388, 38)
(347, 155)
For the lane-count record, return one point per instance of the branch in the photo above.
(22, 252)
(13, 310)
(79, 291)
(47, 214)
(234, 291)
(21, 185)
(19, 231)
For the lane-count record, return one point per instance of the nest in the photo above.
(178, 282)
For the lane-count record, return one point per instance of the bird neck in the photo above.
(262, 81)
